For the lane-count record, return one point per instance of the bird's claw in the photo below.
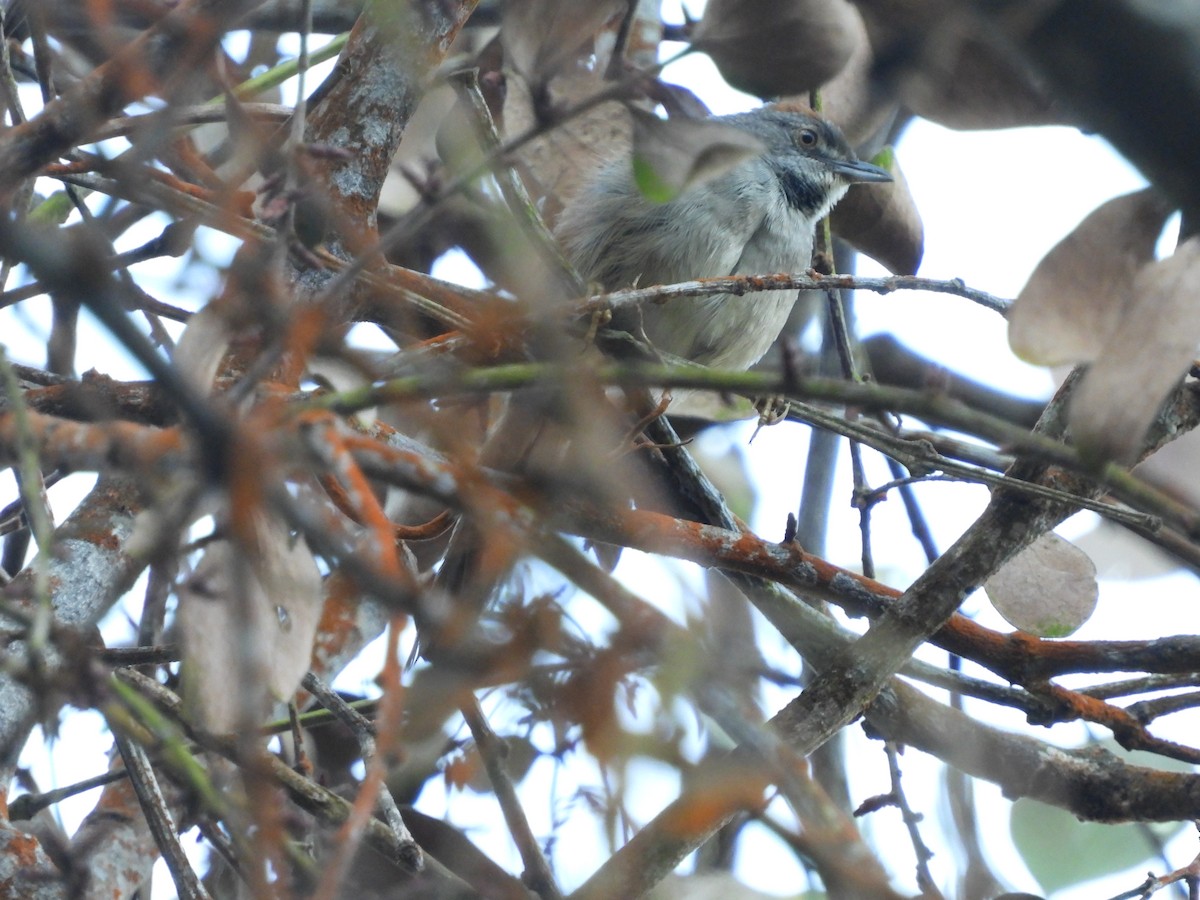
(599, 319)
(771, 411)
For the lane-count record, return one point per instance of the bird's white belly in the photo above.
(734, 332)
(731, 331)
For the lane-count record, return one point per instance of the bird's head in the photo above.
(808, 154)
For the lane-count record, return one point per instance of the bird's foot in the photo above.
(600, 318)
(634, 438)
(771, 411)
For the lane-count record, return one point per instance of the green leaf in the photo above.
(55, 209)
(1060, 850)
(885, 158)
(652, 185)
(671, 156)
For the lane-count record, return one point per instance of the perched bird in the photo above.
(757, 218)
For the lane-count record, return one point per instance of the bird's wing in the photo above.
(698, 235)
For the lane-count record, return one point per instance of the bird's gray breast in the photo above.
(738, 330)
(738, 224)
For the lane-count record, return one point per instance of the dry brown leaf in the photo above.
(978, 87)
(1048, 589)
(853, 99)
(1145, 358)
(673, 155)
(273, 616)
(542, 36)
(936, 58)
(1076, 298)
(882, 221)
(771, 48)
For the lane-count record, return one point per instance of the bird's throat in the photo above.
(809, 196)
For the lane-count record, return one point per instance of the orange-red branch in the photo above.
(1018, 657)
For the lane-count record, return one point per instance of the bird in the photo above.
(757, 218)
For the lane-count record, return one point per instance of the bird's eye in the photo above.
(806, 137)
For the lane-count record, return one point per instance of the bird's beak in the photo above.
(856, 170)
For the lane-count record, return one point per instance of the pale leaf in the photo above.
(1048, 589)
(213, 686)
(202, 346)
(1076, 300)
(1123, 390)
(246, 641)
(292, 600)
(770, 48)
(671, 156)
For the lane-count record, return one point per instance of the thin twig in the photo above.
(158, 818)
(28, 470)
(1142, 684)
(318, 800)
(183, 117)
(912, 820)
(28, 805)
(491, 748)
(935, 408)
(805, 281)
(1146, 711)
(152, 191)
(1190, 874)
(363, 730)
(520, 204)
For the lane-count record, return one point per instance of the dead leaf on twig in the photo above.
(273, 614)
(1048, 589)
(771, 48)
(541, 36)
(1076, 299)
(882, 221)
(1148, 355)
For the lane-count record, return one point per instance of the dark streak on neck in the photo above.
(801, 192)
